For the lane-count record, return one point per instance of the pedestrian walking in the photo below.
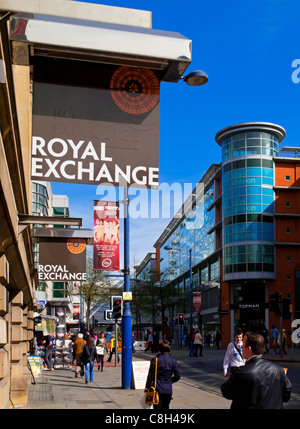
(192, 338)
(218, 339)
(113, 345)
(259, 384)
(167, 374)
(265, 333)
(78, 349)
(155, 342)
(150, 342)
(284, 341)
(208, 340)
(95, 339)
(234, 357)
(274, 335)
(198, 343)
(102, 350)
(48, 352)
(88, 357)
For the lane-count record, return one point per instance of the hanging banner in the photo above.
(48, 327)
(197, 302)
(96, 124)
(76, 310)
(106, 236)
(62, 260)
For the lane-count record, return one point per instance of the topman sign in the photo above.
(95, 124)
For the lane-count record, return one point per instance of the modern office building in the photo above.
(248, 222)
(147, 307)
(196, 226)
(244, 232)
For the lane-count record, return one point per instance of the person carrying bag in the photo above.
(152, 396)
(102, 350)
(88, 357)
(78, 349)
(163, 372)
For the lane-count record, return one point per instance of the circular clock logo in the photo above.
(76, 245)
(135, 91)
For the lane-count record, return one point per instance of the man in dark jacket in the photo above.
(260, 384)
(166, 367)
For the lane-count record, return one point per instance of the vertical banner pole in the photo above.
(191, 302)
(116, 342)
(126, 318)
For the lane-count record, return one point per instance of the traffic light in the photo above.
(117, 306)
(286, 312)
(274, 303)
(180, 319)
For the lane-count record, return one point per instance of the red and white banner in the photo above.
(76, 310)
(106, 236)
(197, 302)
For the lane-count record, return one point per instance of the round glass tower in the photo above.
(248, 199)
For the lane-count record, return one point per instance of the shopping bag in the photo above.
(152, 397)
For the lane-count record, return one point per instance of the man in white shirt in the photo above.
(234, 357)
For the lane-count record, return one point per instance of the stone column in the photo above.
(27, 337)
(4, 346)
(18, 386)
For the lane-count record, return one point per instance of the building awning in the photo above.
(87, 234)
(44, 316)
(62, 37)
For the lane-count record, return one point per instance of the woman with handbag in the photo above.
(163, 372)
(102, 350)
(113, 345)
(88, 357)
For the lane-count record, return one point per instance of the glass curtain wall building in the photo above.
(248, 199)
(193, 228)
(248, 222)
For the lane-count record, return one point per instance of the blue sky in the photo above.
(247, 49)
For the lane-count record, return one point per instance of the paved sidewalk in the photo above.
(59, 389)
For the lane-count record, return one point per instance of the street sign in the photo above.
(108, 315)
(127, 296)
(42, 304)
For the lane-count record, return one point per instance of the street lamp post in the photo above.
(126, 318)
(194, 78)
(191, 289)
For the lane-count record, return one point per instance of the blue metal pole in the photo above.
(80, 311)
(191, 303)
(126, 318)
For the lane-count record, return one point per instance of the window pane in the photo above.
(253, 134)
(253, 172)
(252, 190)
(240, 136)
(253, 142)
(267, 163)
(253, 163)
(267, 181)
(267, 172)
